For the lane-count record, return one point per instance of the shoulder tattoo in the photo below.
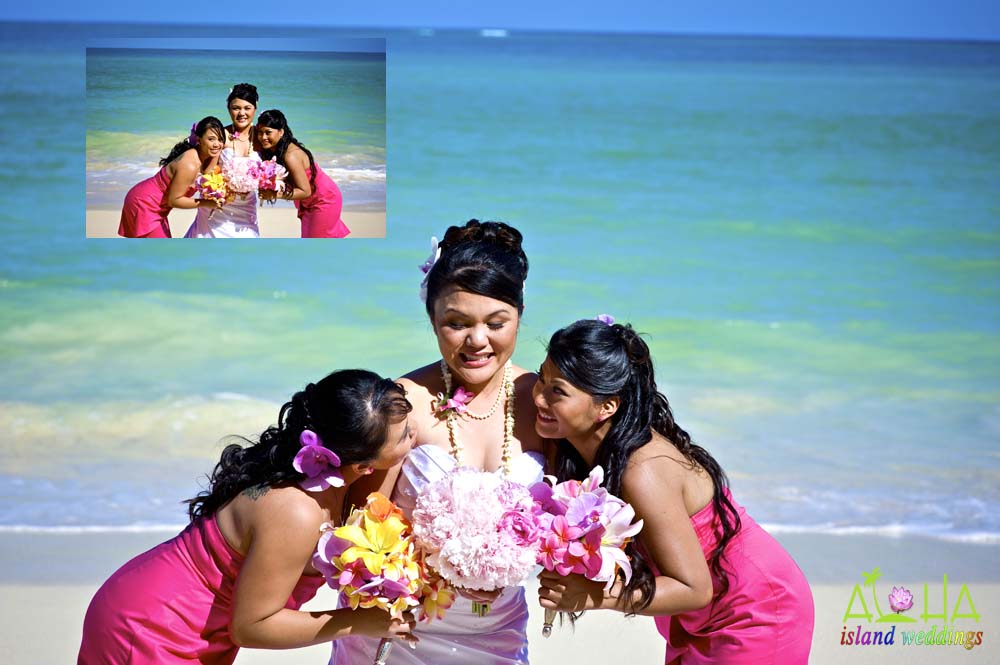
(256, 491)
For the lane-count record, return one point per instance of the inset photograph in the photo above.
(215, 139)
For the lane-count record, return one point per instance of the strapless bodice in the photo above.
(427, 463)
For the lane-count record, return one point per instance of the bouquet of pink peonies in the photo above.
(241, 176)
(373, 562)
(478, 530)
(584, 530)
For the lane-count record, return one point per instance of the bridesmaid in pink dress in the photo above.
(238, 573)
(147, 204)
(316, 195)
(721, 588)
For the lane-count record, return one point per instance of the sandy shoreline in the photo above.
(46, 594)
(277, 222)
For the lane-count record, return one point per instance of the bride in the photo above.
(238, 218)
(474, 298)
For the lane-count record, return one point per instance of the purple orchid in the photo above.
(606, 319)
(318, 463)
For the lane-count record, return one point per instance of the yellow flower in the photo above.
(373, 541)
(438, 596)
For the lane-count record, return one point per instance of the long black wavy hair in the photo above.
(208, 123)
(485, 258)
(612, 360)
(350, 410)
(275, 119)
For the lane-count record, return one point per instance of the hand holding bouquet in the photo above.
(211, 186)
(373, 561)
(585, 530)
(271, 180)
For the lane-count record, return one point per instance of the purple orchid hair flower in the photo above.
(606, 319)
(318, 463)
(193, 138)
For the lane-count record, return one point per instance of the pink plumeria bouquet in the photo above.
(271, 180)
(479, 530)
(373, 561)
(584, 530)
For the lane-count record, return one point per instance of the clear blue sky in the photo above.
(946, 19)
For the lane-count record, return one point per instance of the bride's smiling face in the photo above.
(476, 334)
(242, 113)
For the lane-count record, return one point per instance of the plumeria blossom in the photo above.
(458, 401)
(585, 529)
(373, 562)
(900, 599)
(211, 186)
(271, 176)
(318, 463)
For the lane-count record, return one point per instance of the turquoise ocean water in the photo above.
(141, 101)
(807, 230)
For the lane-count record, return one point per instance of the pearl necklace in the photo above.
(507, 390)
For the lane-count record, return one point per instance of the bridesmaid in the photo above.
(238, 219)
(147, 204)
(237, 575)
(721, 588)
(316, 195)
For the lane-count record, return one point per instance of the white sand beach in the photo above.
(274, 223)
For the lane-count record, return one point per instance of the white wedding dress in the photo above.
(461, 637)
(236, 219)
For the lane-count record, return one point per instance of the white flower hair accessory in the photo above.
(426, 266)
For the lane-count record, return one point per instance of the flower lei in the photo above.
(319, 464)
(458, 404)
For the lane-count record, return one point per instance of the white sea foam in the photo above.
(892, 530)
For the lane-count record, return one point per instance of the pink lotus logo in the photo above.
(900, 599)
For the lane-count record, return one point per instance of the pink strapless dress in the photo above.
(172, 604)
(144, 214)
(765, 617)
(320, 213)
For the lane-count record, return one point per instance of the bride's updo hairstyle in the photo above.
(484, 258)
(350, 411)
(612, 360)
(244, 91)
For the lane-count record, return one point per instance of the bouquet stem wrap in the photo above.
(382, 653)
(550, 616)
